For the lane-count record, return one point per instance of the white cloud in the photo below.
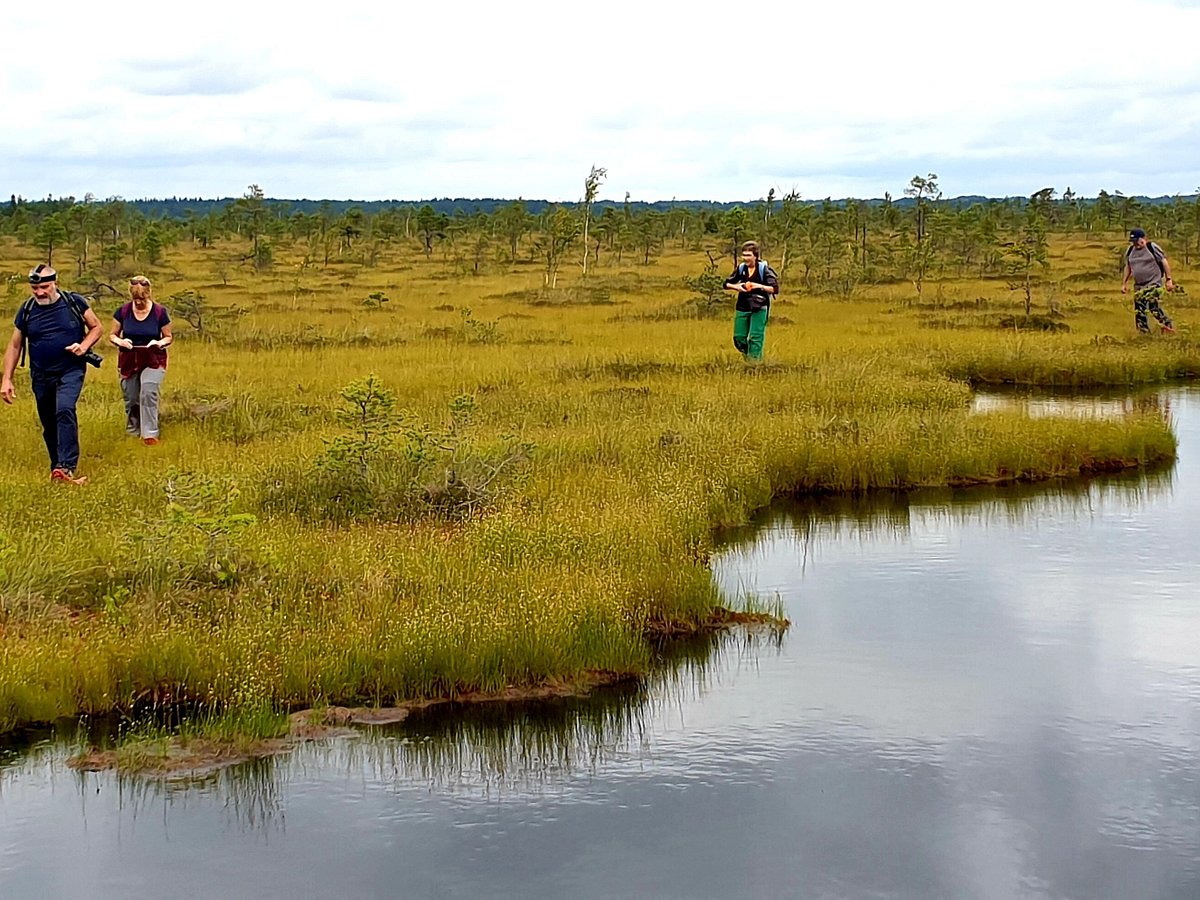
(676, 100)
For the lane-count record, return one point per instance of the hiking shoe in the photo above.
(67, 476)
(1168, 329)
(149, 442)
(59, 475)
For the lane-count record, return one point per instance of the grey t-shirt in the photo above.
(1144, 266)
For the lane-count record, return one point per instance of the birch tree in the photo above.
(591, 187)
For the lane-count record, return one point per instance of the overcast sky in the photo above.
(681, 100)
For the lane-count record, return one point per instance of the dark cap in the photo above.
(42, 274)
(1136, 234)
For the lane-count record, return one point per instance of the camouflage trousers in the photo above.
(1147, 300)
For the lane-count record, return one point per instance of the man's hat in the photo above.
(1136, 234)
(42, 274)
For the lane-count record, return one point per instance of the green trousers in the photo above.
(749, 331)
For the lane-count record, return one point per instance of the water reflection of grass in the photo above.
(250, 796)
(528, 746)
(518, 747)
(34, 745)
(479, 748)
(837, 516)
(1090, 403)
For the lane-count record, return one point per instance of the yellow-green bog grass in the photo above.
(648, 434)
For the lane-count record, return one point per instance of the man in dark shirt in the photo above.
(57, 344)
(1150, 270)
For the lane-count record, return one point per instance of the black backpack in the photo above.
(76, 303)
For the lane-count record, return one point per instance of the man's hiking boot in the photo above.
(149, 442)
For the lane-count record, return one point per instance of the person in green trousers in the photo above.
(755, 283)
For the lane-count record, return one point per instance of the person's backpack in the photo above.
(76, 303)
(1155, 251)
(762, 273)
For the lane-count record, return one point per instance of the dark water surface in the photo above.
(984, 693)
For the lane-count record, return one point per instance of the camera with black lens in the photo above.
(92, 358)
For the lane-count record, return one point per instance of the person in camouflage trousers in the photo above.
(1150, 270)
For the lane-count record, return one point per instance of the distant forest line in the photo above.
(185, 207)
(828, 246)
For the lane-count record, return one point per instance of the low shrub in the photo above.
(387, 465)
